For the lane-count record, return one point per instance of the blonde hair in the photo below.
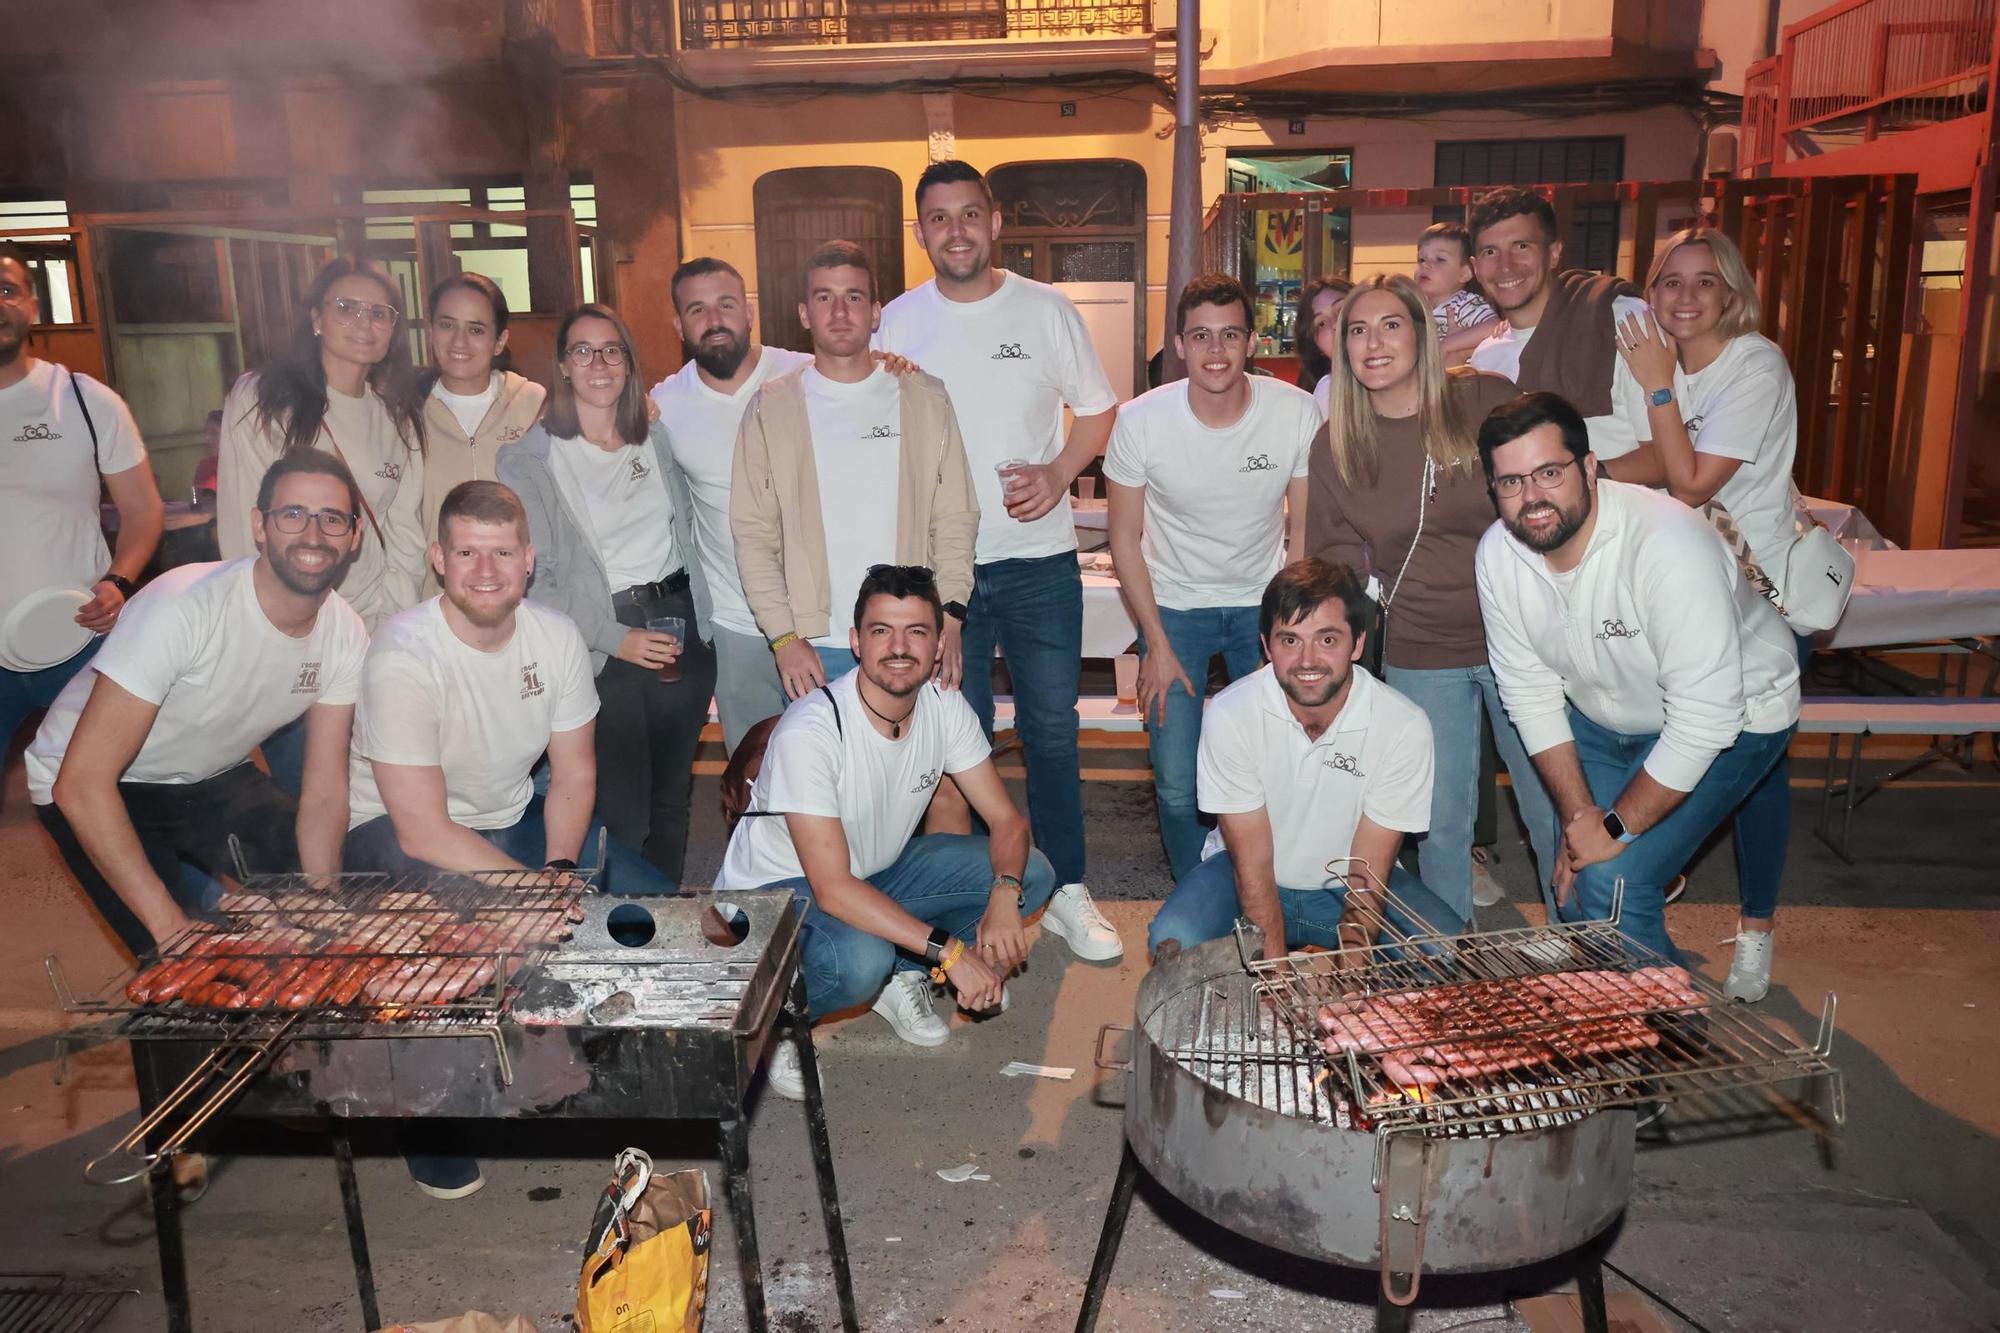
(1742, 308)
(1442, 423)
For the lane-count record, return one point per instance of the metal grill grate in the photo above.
(46, 1303)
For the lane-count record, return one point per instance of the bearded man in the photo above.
(1315, 772)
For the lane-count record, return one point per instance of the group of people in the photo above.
(469, 624)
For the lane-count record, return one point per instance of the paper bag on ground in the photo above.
(472, 1321)
(645, 1266)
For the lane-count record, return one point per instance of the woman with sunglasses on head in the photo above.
(611, 520)
(346, 386)
(474, 401)
(1396, 491)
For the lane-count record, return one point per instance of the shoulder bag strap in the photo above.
(96, 447)
(366, 508)
(839, 729)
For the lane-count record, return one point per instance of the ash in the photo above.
(1271, 1072)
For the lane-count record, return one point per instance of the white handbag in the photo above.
(1819, 571)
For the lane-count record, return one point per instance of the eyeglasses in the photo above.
(582, 354)
(1546, 478)
(919, 575)
(1231, 337)
(292, 519)
(352, 311)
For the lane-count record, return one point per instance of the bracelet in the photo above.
(1020, 893)
(789, 636)
(957, 950)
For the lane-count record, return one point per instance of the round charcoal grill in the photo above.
(1254, 1128)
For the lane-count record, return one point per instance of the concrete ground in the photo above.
(1902, 1231)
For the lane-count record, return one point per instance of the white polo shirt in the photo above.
(1375, 760)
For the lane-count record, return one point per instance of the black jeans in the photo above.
(189, 823)
(647, 732)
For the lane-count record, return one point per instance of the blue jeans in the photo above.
(285, 755)
(1610, 761)
(836, 662)
(942, 879)
(1762, 830)
(1204, 906)
(373, 846)
(1452, 698)
(25, 692)
(1033, 610)
(1195, 636)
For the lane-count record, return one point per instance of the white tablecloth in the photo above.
(1915, 596)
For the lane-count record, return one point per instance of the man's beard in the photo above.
(1329, 687)
(895, 691)
(971, 267)
(481, 618)
(13, 342)
(720, 359)
(307, 582)
(1569, 523)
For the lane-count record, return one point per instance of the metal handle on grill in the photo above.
(204, 1075)
(1122, 1066)
(1403, 1206)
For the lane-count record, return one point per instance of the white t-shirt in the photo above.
(196, 643)
(1375, 760)
(1323, 396)
(1215, 498)
(857, 442)
(1743, 405)
(876, 787)
(469, 408)
(429, 699)
(701, 430)
(51, 535)
(1010, 363)
(1611, 436)
(628, 511)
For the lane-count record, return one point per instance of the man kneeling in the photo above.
(1314, 770)
(847, 776)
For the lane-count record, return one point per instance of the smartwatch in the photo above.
(1660, 397)
(560, 863)
(956, 610)
(934, 946)
(1615, 828)
(124, 585)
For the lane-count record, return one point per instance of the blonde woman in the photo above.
(1725, 419)
(1396, 491)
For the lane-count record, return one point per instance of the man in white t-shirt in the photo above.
(841, 466)
(143, 762)
(1207, 478)
(461, 696)
(834, 814)
(1558, 335)
(1015, 352)
(1315, 772)
(702, 406)
(60, 435)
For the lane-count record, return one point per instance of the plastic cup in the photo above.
(1086, 488)
(1006, 466)
(674, 628)
(1126, 668)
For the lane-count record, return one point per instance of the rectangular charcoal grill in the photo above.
(493, 997)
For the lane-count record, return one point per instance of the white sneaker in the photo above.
(1676, 887)
(906, 1002)
(1486, 890)
(784, 1074)
(1074, 919)
(1750, 971)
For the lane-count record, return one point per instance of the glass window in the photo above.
(1274, 246)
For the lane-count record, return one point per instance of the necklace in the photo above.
(895, 723)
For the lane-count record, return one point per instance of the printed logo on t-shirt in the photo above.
(639, 469)
(36, 430)
(926, 781)
(390, 469)
(1258, 463)
(1693, 423)
(882, 433)
(531, 680)
(1011, 352)
(1617, 629)
(1345, 763)
(308, 681)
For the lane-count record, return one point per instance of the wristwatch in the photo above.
(1660, 397)
(1615, 828)
(956, 610)
(934, 946)
(124, 585)
(560, 863)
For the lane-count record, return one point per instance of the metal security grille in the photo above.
(46, 1303)
(714, 23)
(1591, 238)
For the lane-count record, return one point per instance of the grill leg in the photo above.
(1590, 1292)
(822, 1150)
(1107, 1240)
(357, 1233)
(735, 1136)
(173, 1257)
(1391, 1317)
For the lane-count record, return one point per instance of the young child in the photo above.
(1444, 276)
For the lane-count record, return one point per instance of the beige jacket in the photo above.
(451, 457)
(774, 510)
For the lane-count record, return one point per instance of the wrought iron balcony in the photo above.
(711, 24)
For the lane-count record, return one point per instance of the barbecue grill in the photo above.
(1489, 1127)
(495, 997)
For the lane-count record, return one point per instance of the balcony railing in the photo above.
(1870, 67)
(758, 23)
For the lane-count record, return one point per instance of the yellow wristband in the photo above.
(783, 639)
(937, 973)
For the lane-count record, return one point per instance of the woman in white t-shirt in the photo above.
(474, 402)
(611, 521)
(1725, 420)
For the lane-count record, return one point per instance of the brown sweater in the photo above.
(1434, 621)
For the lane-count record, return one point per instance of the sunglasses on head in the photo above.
(917, 574)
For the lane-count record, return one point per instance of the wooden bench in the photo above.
(1862, 716)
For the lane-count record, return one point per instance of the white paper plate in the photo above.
(41, 631)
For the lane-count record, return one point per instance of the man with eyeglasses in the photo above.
(61, 434)
(1207, 482)
(1652, 686)
(143, 763)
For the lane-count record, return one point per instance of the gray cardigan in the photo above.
(569, 575)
